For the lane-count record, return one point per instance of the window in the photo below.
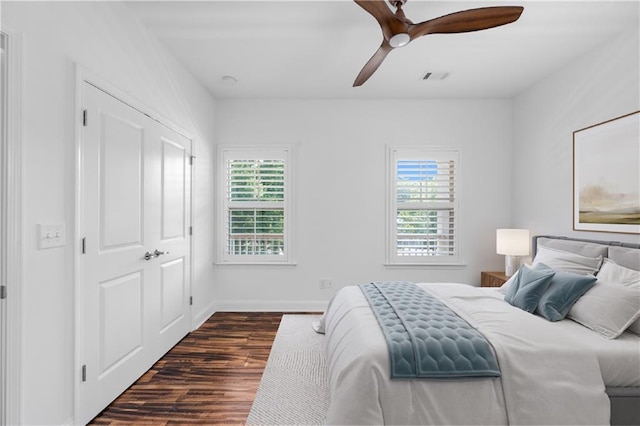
(423, 206)
(254, 217)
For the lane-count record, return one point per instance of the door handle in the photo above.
(148, 256)
(159, 253)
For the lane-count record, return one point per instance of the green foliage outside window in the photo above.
(423, 185)
(256, 180)
(255, 230)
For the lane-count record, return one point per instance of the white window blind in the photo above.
(423, 206)
(255, 204)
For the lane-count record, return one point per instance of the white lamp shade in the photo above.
(512, 242)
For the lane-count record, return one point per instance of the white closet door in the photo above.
(135, 271)
(171, 237)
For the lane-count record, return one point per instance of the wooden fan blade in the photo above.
(372, 65)
(467, 21)
(389, 23)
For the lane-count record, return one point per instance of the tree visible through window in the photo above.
(255, 204)
(423, 204)
(256, 230)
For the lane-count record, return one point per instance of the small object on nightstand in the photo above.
(492, 279)
(512, 243)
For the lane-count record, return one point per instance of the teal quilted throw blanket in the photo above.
(426, 339)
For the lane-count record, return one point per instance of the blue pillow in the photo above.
(528, 288)
(564, 290)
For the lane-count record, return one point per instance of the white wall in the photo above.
(104, 38)
(602, 85)
(340, 190)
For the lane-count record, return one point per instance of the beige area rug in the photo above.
(294, 388)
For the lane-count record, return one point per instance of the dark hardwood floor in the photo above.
(210, 377)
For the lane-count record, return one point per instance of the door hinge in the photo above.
(3, 291)
(192, 160)
(85, 118)
(84, 373)
(191, 230)
(190, 300)
(84, 245)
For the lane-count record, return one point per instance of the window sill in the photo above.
(425, 265)
(255, 264)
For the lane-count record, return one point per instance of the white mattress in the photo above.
(548, 377)
(619, 358)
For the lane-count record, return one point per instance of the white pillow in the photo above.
(566, 261)
(607, 308)
(613, 273)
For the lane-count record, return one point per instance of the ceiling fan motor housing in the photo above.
(399, 40)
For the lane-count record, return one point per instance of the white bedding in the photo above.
(548, 375)
(619, 358)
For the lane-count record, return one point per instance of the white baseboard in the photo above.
(202, 316)
(270, 306)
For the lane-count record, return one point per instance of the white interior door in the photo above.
(134, 271)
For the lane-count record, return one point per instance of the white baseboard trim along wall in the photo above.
(270, 306)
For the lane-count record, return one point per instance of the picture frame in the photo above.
(606, 176)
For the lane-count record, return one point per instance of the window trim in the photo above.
(393, 152)
(252, 152)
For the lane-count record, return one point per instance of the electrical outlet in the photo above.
(325, 283)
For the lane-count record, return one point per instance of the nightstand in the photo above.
(492, 279)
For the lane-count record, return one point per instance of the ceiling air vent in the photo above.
(435, 76)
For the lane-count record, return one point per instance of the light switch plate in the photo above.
(50, 236)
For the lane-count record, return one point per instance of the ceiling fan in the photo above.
(398, 31)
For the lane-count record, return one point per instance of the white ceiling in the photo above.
(308, 49)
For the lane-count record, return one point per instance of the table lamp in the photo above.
(512, 243)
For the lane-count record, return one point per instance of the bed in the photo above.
(583, 368)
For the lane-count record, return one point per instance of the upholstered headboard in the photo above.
(624, 254)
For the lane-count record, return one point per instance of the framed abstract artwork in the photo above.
(606, 176)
